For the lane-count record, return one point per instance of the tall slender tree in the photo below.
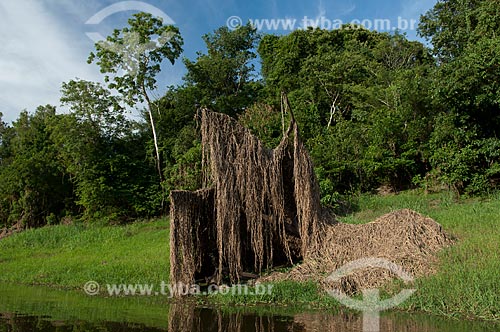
(131, 59)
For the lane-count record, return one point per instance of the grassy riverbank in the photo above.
(70, 255)
(466, 286)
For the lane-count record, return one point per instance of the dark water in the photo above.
(44, 310)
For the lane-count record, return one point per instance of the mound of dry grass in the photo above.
(404, 237)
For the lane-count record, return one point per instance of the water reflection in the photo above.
(188, 318)
(184, 318)
(23, 323)
(45, 310)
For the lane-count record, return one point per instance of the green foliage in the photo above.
(360, 100)
(185, 173)
(179, 141)
(461, 159)
(453, 25)
(464, 144)
(264, 122)
(34, 184)
(224, 75)
(132, 50)
(104, 154)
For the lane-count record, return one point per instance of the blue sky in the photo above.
(44, 42)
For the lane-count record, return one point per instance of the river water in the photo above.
(40, 309)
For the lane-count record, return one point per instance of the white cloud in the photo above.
(343, 8)
(321, 10)
(38, 53)
(414, 9)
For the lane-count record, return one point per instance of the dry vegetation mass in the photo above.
(261, 208)
(403, 237)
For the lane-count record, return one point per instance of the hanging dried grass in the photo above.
(192, 235)
(265, 207)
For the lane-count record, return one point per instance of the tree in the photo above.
(360, 98)
(92, 103)
(104, 154)
(221, 79)
(35, 189)
(180, 141)
(133, 51)
(452, 25)
(464, 143)
(6, 135)
(224, 74)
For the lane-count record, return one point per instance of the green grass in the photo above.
(70, 255)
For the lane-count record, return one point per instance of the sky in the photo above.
(47, 42)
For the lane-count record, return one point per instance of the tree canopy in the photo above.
(374, 109)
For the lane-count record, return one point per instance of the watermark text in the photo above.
(291, 24)
(93, 288)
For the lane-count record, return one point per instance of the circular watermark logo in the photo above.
(371, 305)
(234, 22)
(131, 49)
(91, 288)
(122, 7)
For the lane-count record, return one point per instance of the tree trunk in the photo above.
(153, 129)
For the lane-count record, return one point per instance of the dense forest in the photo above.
(374, 109)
